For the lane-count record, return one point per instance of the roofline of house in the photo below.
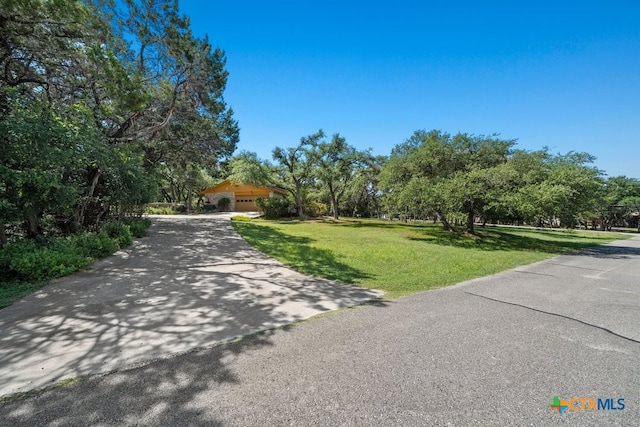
(273, 189)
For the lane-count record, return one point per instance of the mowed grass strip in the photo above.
(403, 258)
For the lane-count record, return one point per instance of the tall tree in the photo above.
(363, 196)
(42, 44)
(444, 174)
(173, 66)
(336, 168)
(621, 201)
(247, 168)
(132, 76)
(295, 166)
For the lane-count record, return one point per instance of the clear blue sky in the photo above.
(565, 74)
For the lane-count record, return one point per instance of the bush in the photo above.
(96, 245)
(28, 261)
(119, 231)
(273, 207)
(11, 251)
(224, 203)
(138, 226)
(317, 209)
(152, 210)
(240, 218)
(32, 262)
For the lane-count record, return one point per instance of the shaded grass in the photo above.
(12, 291)
(298, 252)
(401, 258)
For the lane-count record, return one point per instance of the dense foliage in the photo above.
(316, 173)
(456, 179)
(103, 105)
(485, 179)
(273, 207)
(35, 261)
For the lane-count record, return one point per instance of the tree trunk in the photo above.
(83, 208)
(33, 225)
(470, 219)
(167, 197)
(3, 235)
(299, 200)
(102, 212)
(444, 221)
(334, 203)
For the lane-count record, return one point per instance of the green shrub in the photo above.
(224, 203)
(11, 251)
(240, 218)
(152, 210)
(119, 231)
(125, 238)
(138, 226)
(96, 245)
(34, 262)
(273, 207)
(27, 265)
(317, 209)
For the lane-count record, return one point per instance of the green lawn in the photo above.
(402, 258)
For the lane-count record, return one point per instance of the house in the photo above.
(242, 197)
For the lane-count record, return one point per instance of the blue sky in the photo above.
(563, 74)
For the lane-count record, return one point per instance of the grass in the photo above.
(404, 258)
(12, 291)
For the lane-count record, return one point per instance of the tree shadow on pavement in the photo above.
(610, 251)
(192, 283)
(162, 392)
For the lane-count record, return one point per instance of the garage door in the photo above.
(245, 203)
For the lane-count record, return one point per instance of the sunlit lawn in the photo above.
(403, 258)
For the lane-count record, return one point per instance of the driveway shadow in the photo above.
(191, 283)
(156, 393)
(614, 251)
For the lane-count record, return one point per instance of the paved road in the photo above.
(191, 283)
(493, 351)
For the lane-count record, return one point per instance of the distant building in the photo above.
(242, 197)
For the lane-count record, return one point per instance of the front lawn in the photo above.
(403, 258)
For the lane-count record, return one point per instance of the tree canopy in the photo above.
(106, 105)
(441, 174)
(313, 169)
(487, 179)
(99, 102)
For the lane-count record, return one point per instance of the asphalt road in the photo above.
(493, 351)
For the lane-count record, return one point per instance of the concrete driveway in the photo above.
(193, 282)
